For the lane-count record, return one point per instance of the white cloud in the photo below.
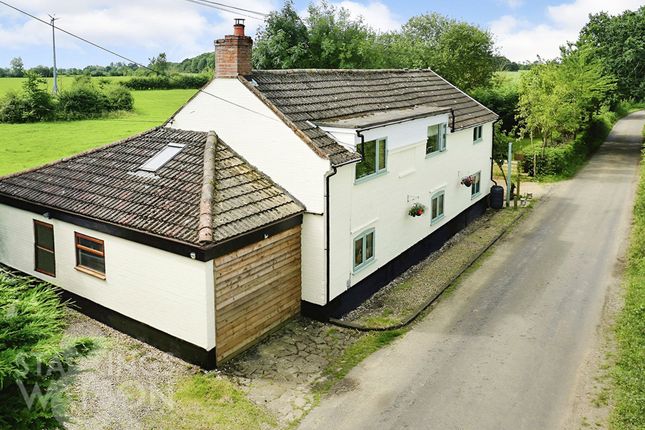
(179, 28)
(514, 4)
(374, 13)
(521, 40)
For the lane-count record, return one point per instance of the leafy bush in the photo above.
(119, 98)
(82, 101)
(166, 82)
(34, 103)
(31, 359)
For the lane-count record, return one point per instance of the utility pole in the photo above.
(510, 172)
(55, 88)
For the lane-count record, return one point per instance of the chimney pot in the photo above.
(238, 28)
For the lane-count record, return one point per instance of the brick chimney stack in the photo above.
(233, 53)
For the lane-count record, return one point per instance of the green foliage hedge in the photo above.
(166, 82)
(82, 100)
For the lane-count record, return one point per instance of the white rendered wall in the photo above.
(314, 288)
(166, 291)
(382, 202)
(260, 137)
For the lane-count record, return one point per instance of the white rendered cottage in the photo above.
(169, 236)
(358, 148)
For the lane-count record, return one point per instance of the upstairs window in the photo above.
(90, 255)
(475, 188)
(44, 248)
(374, 160)
(436, 139)
(363, 249)
(477, 134)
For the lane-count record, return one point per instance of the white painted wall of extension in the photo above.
(166, 291)
(258, 135)
(382, 202)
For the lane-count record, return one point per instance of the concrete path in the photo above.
(504, 350)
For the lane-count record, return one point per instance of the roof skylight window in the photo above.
(162, 157)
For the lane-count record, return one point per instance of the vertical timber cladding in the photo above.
(256, 289)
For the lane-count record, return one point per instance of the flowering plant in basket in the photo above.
(468, 180)
(417, 209)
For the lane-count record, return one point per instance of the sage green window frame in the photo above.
(475, 188)
(374, 161)
(364, 238)
(477, 134)
(437, 206)
(436, 139)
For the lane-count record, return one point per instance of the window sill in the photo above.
(434, 154)
(368, 263)
(478, 140)
(474, 196)
(90, 272)
(370, 177)
(437, 219)
(53, 275)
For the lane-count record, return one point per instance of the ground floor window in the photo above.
(475, 188)
(45, 260)
(90, 255)
(363, 249)
(437, 206)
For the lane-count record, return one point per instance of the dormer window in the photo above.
(162, 157)
(436, 139)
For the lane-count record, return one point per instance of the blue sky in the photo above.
(141, 29)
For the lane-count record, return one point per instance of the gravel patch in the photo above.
(122, 383)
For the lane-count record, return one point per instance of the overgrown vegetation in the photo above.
(32, 360)
(205, 401)
(629, 374)
(84, 99)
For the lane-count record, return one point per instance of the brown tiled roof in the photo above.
(102, 184)
(309, 96)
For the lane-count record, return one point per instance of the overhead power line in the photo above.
(231, 9)
(129, 59)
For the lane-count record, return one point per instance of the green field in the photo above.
(23, 146)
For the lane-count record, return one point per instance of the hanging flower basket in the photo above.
(468, 180)
(417, 209)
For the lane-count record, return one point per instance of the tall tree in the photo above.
(619, 43)
(17, 67)
(462, 53)
(336, 41)
(283, 42)
(159, 64)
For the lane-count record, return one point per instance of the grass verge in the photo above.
(629, 371)
(205, 401)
